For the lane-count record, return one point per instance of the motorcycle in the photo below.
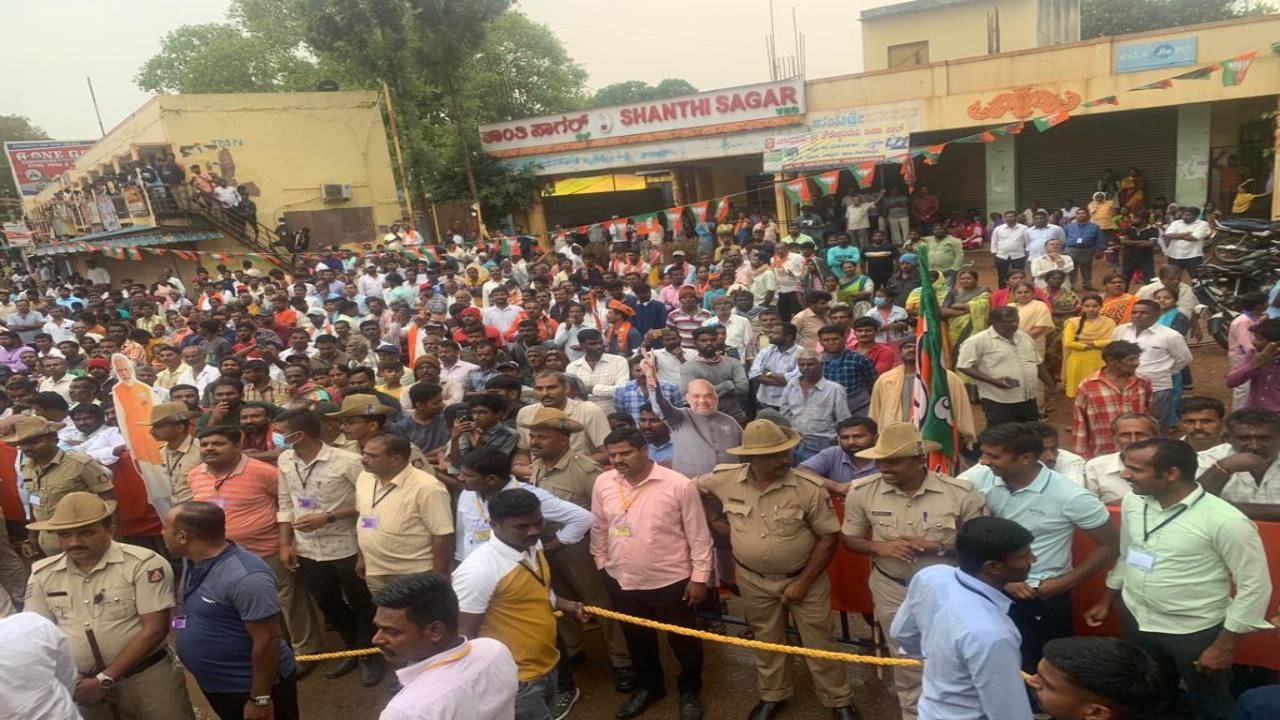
(1244, 257)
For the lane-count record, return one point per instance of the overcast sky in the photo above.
(710, 43)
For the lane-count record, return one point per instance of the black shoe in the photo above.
(690, 706)
(344, 666)
(766, 710)
(638, 703)
(563, 703)
(848, 712)
(304, 669)
(624, 680)
(372, 668)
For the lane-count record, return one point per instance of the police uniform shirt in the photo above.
(128, 582)
(570, 478)
(935, 512)
(773, 530)
(178, 464)
(67, 472)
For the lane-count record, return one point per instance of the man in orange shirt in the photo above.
(284, 315)
(247, 491)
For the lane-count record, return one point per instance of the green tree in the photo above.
(640, 91)
(223, 58)
(1121, 17)
(12, 129)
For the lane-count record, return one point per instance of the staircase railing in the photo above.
(169, 202)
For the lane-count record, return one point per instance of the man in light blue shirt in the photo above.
(957, 620)
(1040, 233)
(840, 252)
(1018, 487)
(775, 366)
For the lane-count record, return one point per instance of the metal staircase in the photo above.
(184, 209)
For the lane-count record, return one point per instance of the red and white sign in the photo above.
(763, 105)
(36, 163)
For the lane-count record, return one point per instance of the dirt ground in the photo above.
(729, 674)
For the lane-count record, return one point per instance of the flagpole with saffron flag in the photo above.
(931, 405)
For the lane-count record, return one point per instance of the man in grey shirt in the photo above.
(725, 374)
(25, 321)
(699, 433)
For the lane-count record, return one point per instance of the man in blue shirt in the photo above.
(840, 252)
(658, 435)
(1018, 487)
(228, 619)
(1084, 239)
(958, 619)
(838, 465)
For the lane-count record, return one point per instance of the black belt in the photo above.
(145, 663)
(786, 576)
(899, 581)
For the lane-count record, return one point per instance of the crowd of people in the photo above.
(451, 460)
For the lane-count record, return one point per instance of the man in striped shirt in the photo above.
(688, 317)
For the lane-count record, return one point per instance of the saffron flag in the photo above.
(828, 182)
(675, 221)
(1108, 100)
(699, 210)
(1234, 70)
(723, 209)
(1157, 85)
(798, 190)
(985, 136)
(908, 171)
(864, 173)
(931, 153)
(931, 395)
(646, 223)
(1053, 120)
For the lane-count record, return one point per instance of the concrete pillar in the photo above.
(702, 184)
(1002, 174)
(536, 222)
(679, 194)
(1275, 164)
(786, 210)
(1191, 184)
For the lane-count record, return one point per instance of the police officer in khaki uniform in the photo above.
(172, 424)
(362, 416)
(912, 516)
(784, 534)
(571, 476)
(123, 594)
(49, 473)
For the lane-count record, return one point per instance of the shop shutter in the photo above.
(1066, 161)
(959, 178)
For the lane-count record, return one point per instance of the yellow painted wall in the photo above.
(953, 32)
(947, 89)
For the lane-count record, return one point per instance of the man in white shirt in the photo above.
(1164, 353)
(56, 378)
(443, 674)
(1009, 247)
(370, 283)
(1170, 278)
(1004, 361)
(1041, 232)
(600, 372)
(226, 195)
(95, 274)
(197, 373)
(1183, 240)
(1247, 474)
(40, 675)
(58, 325)
(501, 315)
(96, 439)
(1104, 475)
(1064, 462)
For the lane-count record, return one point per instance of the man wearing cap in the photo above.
(784, 534)
(171, 424)
(122, 594)
(601, 373)
(49, 474)
(571, 476)
(905, 518)
(362, 416)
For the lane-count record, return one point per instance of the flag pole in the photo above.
(395, 141)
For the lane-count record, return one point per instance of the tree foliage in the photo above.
(222, 58)
(1121, 17)
(12, 129)
(638, 91)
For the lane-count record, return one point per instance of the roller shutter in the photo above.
(1066, 161)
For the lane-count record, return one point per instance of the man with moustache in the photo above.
(551, 389)
(1104, 474)
(905, 518)
(838, 466)
(700, 432)
(1249, 476)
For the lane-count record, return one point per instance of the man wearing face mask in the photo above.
(699, 432)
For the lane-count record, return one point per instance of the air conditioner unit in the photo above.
(333, 192)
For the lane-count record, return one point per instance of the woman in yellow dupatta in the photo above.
(1082, 341)
(965, 309)
(939, 291)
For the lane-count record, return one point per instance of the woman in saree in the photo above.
(1082, 341)
(855, 289)
(1116, 300)
(1133, 192)
(965, 309)
(1063, 304)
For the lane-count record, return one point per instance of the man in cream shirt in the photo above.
(1103, 474)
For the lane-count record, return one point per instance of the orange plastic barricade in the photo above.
(1256, 648)
(849, 573)
(137, 516)
(10, 501)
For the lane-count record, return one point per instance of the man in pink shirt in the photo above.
(650, 536)
(1240, 341)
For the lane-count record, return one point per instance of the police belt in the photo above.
(784, 576)
(899, 581)
(145, 663)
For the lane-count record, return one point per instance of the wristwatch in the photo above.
(105, 681)
(261, 700)
(329, 517)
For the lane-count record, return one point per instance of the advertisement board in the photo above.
(36, 163)
(843, 137)
(1175, 52)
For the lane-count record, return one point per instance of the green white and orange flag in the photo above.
(864, 173)
(798, 190)
(1108, 100)
(1052, 120)
(1234, 70)
(1200, 73)
(134, 254)
(828, 182)
(646, 223)
(699, 210)
(723, 209)
(985, 136)
(675, 220)
(931, 153)
(931, 403)
(1157, 85)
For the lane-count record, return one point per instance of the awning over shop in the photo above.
(132, 237)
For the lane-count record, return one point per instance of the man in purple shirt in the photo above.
(1260, 368)
(1084, 239)
(837, 465)
(11, 349)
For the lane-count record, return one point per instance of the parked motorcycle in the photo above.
(1244, 257)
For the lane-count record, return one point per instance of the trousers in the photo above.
(767, 616)
(296, 612)
(574, 576)
(157, 693)
(343, 598)
(666, 605)
(1209, 695)
(1040, 621)
(535, 697)
(284, 701)
(888, 597)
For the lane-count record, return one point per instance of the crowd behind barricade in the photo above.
(450, 455)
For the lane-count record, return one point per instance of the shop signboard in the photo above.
(843, 137)
(1155, 54)
(747, 107)
(36, 163)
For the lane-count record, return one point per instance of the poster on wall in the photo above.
(36, 163)
(843, 137)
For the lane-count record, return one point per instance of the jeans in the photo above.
(1188, 264)
(535, 697)
(1162, 405)
(1258, 704)
(1083, 259)
(1040, 621)
(284, 701)
(1175, 655)
(666, 605)
(342, 596)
